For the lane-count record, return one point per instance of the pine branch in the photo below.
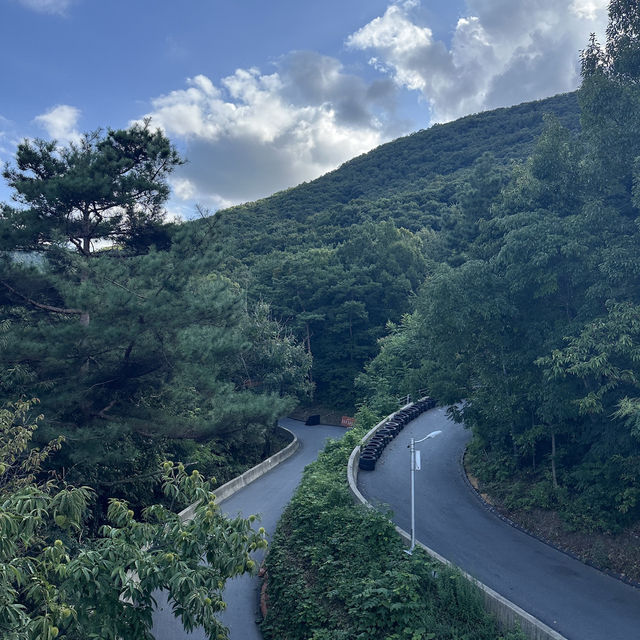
(38, 305)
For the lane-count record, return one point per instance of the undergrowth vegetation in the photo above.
(337, 571)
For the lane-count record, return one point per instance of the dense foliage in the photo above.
(337, 570)
(56, 583)
(139, 350)
(124, 327)
(534, 320)
(340, 257)
(493, 260)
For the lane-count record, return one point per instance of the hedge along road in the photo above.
(576, 600)
(267, 497)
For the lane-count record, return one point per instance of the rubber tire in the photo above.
(367, 463)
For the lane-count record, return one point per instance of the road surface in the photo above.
(266, 497)
(578, 601)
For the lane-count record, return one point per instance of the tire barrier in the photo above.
(367, 462)
(377, 439)
(372, 450)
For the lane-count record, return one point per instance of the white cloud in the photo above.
(60, 123)
(47, 6)
(502, 52)
(255, 133)
(183, 188)
(589, 9)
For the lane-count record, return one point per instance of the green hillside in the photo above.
(526, 323)
(409, 164)
(492, 261)
(340, 257)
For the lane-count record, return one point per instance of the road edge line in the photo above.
(512, 523)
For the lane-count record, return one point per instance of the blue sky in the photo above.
(260, 96)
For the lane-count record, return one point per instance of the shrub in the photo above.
(337, 570)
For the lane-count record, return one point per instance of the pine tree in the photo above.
(119, 323)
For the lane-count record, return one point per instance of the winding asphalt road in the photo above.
(572, 598)
(267, 498)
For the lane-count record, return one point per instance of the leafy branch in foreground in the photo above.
(54, 583)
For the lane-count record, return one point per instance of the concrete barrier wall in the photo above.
(508, 614)
(228, 489)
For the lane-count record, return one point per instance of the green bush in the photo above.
(595, 496)
(337, 570)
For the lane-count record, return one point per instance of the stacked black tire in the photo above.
(389, 430)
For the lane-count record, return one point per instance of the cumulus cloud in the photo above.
(47, 6)
(60, 123)
(254, 133)
(502, 52)
(589, 9)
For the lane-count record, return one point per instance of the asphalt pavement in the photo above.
(576, 600)
(266, 497)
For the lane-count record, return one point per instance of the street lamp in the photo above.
(412, 448)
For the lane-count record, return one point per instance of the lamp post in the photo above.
(412, 448)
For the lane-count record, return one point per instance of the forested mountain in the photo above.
(340, 257)
(410, 163)
(492, 260)
(499, 256)
(532, 322)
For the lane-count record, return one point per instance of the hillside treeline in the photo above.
(531, 326)
(494, 261)
(340, 257)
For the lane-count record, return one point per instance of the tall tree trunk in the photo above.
(533, 446)
(512, 432)
(554, 475)
(86, 248)
(308, 341)
(514, 444)
(86, 232)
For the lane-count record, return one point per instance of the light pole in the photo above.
(412, 448)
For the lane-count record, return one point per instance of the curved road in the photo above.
(266, 497)
(578, 601)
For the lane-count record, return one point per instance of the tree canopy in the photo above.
(57, 583)
(142, 353)
(124, 326)
(106, 187)
(534, 331)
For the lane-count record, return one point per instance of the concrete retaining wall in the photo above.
(228, 489)
(508, 614)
